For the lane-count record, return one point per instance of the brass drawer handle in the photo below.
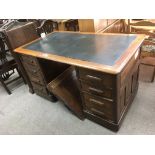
(32, 61)
(35, 80)
(96, 102)
(95, 90)
(34, 71)
(38, 81)
(98, 112)
(93, 77)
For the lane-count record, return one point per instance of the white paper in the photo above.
(43, 35)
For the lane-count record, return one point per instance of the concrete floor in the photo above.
(24, 113)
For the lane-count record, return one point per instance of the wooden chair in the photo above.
(21, 35)
(72, 25)
(8, 66)
(18, 37)
(141, 26)
(47, 26)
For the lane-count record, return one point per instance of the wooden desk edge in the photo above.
(115, 69)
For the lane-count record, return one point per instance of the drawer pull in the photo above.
(98, 112)
(35, 80)
(93, 77)
(96, 102)
(34, 71)
(95, 90)
(38, 81)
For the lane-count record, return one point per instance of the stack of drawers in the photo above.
(97, 91)
(35, 75)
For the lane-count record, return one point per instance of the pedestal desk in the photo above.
(106, 66)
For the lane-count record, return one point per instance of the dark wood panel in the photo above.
(130, 66)
(51, 69)
(128, 84)
(65, 87)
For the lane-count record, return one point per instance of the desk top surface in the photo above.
(102, 49)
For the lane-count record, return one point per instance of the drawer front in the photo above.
(30, 67)
(29, 60)
(32, 70)
(90, 88)
(39, 88)
(98, 106)
(36, 79)
(98, 103)
(98, 78)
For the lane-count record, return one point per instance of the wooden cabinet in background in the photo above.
(92, 25)
(101, 25)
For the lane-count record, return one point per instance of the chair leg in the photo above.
(6, 88)
(20, 75)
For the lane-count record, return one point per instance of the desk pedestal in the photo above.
(106, 97)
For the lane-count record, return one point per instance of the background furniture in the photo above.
(146, 27)
(147, 69)
(22, 35)
(101, 25)
(67, 24)
(13, 30)
(72, 25)
(47, 26)
(107, 75)
(28, 65)
(8, 66)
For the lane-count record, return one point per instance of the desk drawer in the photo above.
(29, 60)
(98, 78)
(32, 69)
(98, 106)
(90, 88)
(98, 102)
(36, 79)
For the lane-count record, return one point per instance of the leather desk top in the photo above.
(104, 50)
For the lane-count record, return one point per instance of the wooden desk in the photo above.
(106, 66)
